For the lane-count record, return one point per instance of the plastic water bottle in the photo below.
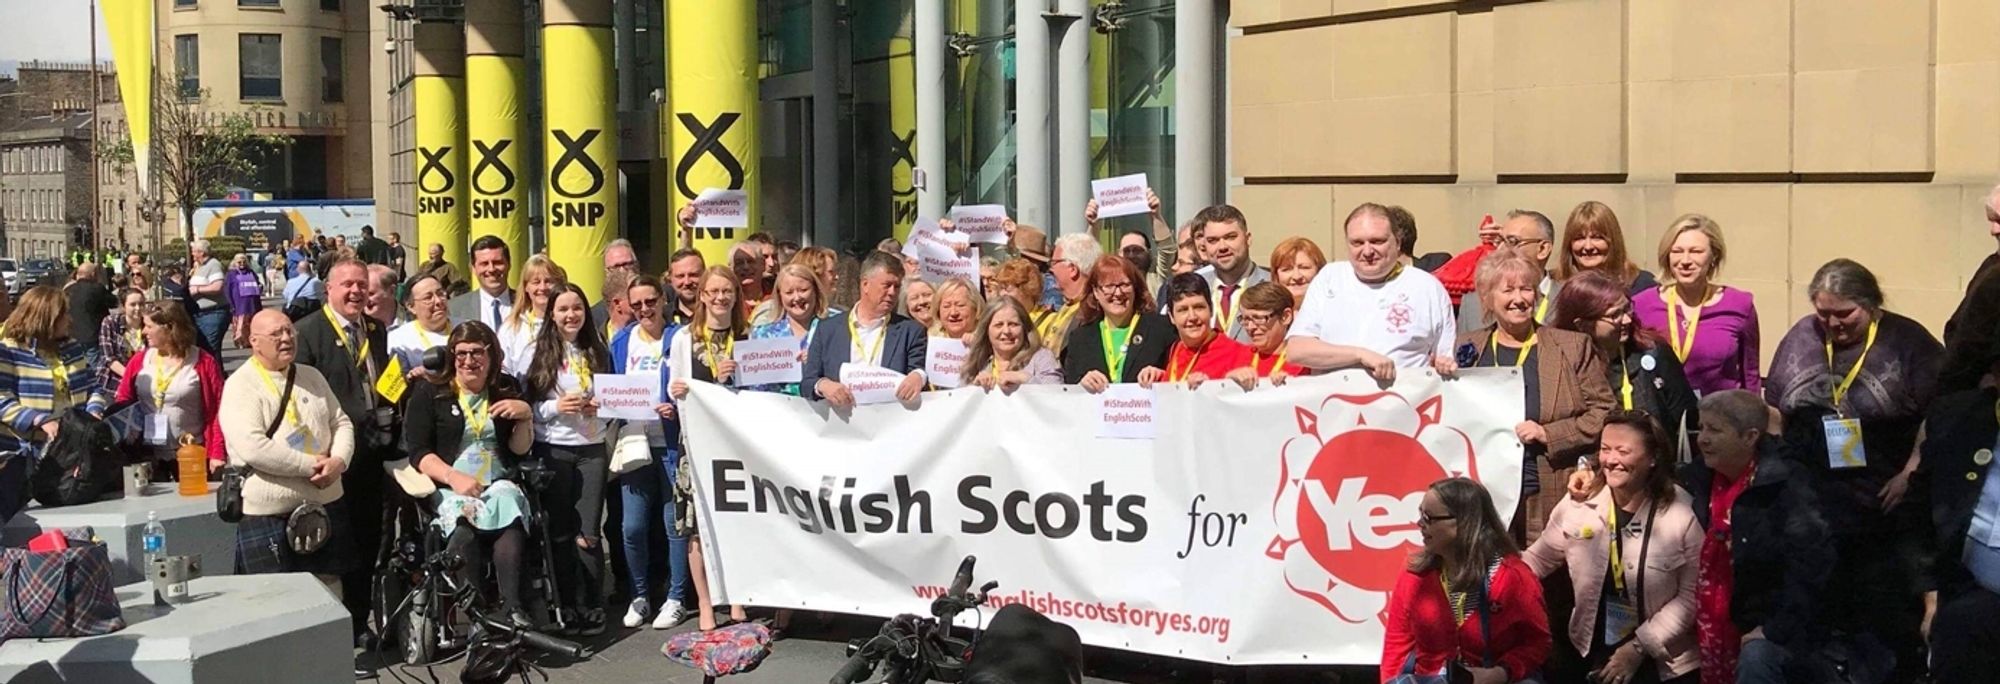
(154, 539)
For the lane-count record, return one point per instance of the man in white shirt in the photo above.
(1224, 235)
(205, 283)
(1371, 312)
(494, 300)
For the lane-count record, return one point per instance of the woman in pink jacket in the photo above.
(1633, 552)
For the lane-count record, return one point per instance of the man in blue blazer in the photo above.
(871, 333)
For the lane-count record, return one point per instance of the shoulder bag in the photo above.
(229, 493)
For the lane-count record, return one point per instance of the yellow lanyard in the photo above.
(1224, 320)
(1542, 309)
(1617, 569)
(1494, 343)
(162, 379)
(1458, 601)
(1257, 362)
(1682, 345)
(1114, 362)
(479, 420)
(423, 336)
(1624, 385)
(996, 369)
(710, 348)
(361, 355)
(291, 408)
(867, 351)
(1193, 359)
(59, 377)
(134, 339)
(578, 365)
(1847, 383)
(1058, 320)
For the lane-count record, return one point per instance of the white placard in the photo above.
(944, 358)
(870, 384)
(769, 361)
(630, 396)
(938, 253)
(1310, 520)
(1120, 196)
(1125, 411)
(981, 222)
(719, 208)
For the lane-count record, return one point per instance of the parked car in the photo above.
(11, 273)
(38, 271)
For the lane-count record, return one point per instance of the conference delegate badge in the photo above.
(627, 396)
(944, 359)
(1125, 411)
(393, 382)
(1120, 196)
(870, 384)
(1843, 443)
(768, 361)
(719, 208)
(981, 222)
(156, 427)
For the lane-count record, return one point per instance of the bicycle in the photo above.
(919, 649)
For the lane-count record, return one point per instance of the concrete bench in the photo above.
(192, 529)
(246, 628)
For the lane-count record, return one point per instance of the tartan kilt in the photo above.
(261, 547)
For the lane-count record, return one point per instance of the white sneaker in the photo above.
(636, 615)
(670, 615)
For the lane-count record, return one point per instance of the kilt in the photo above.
(261, 547)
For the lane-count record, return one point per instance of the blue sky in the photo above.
(57, 30)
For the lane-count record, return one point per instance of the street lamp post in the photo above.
(150, 211)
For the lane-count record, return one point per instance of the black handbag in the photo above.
(229, 492)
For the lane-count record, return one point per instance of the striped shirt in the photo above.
(28, 387)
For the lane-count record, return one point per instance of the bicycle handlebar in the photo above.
(857, 668)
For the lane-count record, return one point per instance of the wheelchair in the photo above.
(418, 602)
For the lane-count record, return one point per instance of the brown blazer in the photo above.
(1576, 396)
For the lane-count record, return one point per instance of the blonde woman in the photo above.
(1711, 328)
(541, 278)
(958, 310)
(803, 304)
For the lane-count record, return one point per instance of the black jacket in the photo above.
(1960, 427)
(1151, 342)
(1662, 391)
(1782, 553)
(89, 303)
(434, 423)
(320, 348)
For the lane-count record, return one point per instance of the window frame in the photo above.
(244, 79)
(333, 76)
(187, 65)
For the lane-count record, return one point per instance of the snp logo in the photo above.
(492, 177)
(435, 181)
(578, 211)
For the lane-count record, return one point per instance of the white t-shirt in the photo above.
(869, 340)
(207, 273)
(517, 343)
(566, 429)
(410, 340)
(643, 356)
(1407, 319)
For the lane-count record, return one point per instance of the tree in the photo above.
(198, 152)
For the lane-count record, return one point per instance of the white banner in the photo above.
(1262, 527)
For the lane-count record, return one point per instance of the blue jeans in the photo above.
(648, 495)
(212, 323)
(1762, 661)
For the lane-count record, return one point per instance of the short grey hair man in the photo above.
(1079, 250)
(619, 256)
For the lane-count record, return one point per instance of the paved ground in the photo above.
(815, 651)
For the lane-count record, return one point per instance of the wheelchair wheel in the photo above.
(418, 632)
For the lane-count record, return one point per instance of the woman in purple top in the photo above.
(245, 294)
(1711, 328)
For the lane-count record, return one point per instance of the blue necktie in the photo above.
(496, 315)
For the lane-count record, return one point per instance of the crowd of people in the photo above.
(1688, 511)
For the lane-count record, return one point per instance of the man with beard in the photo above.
(684, 278)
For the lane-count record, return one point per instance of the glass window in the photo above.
(184, 3)
(331, 87)
(330, 5)
(260, 65)
(256, 3)
(187, 63)
(1132, 92)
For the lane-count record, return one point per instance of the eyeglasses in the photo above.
(1616, 316)
(1427, 520)
(1261, 320)
(433, 294)
(1114, 287)
(469, 354)
(623, 266)
(645, 303)
(1512, 241)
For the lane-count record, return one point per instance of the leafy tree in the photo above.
(197, 151)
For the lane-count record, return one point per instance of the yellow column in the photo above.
(439, 85)
(712, 76)
(903, 136)
(580, 145)
(495, 76)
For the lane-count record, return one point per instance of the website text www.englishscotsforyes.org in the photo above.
(1117, 614)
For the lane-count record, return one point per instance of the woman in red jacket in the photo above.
(177, 388)
(1467, 601)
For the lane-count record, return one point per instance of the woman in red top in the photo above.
(1202, 352)
(1434, 620)
(1267, 319)
(177, 388)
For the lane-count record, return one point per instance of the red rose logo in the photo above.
(1348, 492)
